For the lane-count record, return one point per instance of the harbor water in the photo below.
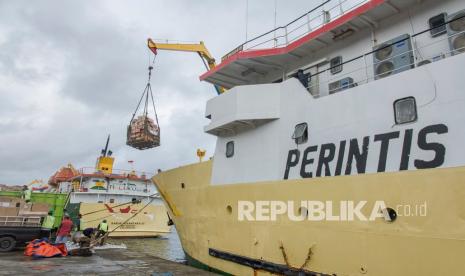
(167, 247)
(143, 256)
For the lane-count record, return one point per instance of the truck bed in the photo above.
(17, 230)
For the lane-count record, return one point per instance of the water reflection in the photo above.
(168, 247)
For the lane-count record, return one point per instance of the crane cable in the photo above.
(147, 91)
(99, 219)
(203, 60)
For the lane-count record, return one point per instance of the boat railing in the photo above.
(314, 19)
(138, 192)
(120, 172)
(361, 69)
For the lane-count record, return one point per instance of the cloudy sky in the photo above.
(71, 72)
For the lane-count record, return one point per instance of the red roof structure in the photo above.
(63, 174)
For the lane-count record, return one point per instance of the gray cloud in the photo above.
(72, 71)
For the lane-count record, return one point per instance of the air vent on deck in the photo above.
(391, 59)
(341, 85)
(456, 32)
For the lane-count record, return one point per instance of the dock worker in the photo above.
(102, 230)
(65, 212)
(64, 230)
(78, 226)
(48, 223)
(303, 77)
(26, 194)
(88, 232)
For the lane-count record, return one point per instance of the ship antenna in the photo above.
(246, 19)
(274, 33)
(104, 152)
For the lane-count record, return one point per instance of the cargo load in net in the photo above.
(143, 131)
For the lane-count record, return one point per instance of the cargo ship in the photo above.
(354, 101)
(127, 199)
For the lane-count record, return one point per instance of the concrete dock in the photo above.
(103, 262)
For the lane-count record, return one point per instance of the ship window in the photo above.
(405, 110)
(300, 135)
(112, 200)
(437, 25)
(229, 149)
(336, 65)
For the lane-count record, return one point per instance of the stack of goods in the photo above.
(34, 210)
(143, 133)
(16, 207)
(10, 206)
(79, 247)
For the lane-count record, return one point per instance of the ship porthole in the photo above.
(302, 212)
(229, 209)
(390, 214)
(182, 186)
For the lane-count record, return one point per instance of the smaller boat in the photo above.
(127, 199)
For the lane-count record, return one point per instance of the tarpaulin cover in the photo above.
(42, 248)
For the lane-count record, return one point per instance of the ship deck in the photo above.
(252, 61)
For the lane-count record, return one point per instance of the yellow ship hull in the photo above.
(152, 221)
(206, 219)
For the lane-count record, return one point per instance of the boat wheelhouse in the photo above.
(123, 185)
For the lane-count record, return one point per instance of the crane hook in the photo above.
(150, 72)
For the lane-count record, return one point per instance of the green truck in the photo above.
(16, 229)
(57, 202)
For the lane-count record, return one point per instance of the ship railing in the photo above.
(118, 188)
(127, 173)
(362, 68)
(316, 18)
(132, 192)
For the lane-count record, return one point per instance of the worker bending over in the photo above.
(89, 232)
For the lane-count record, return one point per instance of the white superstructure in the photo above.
(347, 110)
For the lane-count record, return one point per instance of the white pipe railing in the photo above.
(324, 78)
(283, 36)
(92, 170)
